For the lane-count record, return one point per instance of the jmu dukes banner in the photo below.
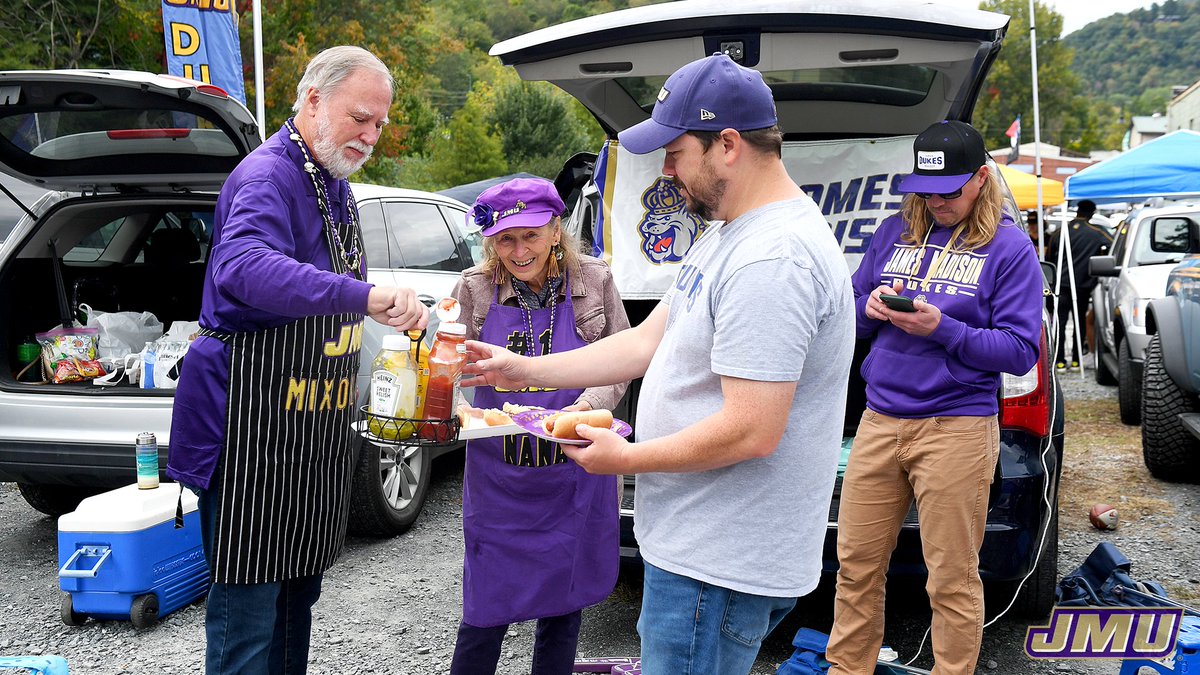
(202, 43)
(643, 229)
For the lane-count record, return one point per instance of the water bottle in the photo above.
(147, 461)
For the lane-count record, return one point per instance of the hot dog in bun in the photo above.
(562, 425)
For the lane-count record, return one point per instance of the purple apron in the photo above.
(541, 533)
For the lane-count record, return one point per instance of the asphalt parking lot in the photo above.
(392, 606)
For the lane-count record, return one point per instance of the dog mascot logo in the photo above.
(666, 229)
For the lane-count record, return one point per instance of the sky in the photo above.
(1076, 13)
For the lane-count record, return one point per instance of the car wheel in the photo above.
(1129, 387)
(1169, 450)
(390, 484)
(1036, 597)
(1103, 374)
(54, 500)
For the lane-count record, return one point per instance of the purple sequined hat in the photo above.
(520, 202)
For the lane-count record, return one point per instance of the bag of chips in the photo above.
(69, 354)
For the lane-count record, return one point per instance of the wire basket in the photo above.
(386, 430)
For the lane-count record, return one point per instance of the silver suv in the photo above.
(1130, 277)
(133, 162)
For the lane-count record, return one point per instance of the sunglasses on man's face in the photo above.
(947, 196)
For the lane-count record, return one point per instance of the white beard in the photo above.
(330, 155)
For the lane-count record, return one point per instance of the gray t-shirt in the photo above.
(764, 297)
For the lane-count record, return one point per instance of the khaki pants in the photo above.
(947, 463)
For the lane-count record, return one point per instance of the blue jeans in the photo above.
(689, 627)
(255, 628)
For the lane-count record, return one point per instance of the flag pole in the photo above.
(259, 104)
(1037, 127)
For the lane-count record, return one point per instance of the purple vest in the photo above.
(541, 533)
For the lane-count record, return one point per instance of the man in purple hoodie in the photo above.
(970, 308)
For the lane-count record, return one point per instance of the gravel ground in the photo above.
(392, 606)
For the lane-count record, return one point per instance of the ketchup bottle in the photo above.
(445, 367)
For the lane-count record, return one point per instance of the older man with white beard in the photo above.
(262, 417)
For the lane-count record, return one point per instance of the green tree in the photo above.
(41, 34)
(1008, 89)
(539, 127)
(469, 149)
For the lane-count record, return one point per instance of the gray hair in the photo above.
(326, 71)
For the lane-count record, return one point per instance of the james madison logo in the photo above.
(666, 228)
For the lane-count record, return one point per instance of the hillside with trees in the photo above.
(1128, 54)
(460, 116)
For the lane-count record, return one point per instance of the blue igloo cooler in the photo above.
(120, 556)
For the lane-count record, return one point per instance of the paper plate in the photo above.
(531, 421)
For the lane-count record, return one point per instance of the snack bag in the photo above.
(70, 354)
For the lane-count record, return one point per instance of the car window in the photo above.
(422, 236)
(1119, 241)
(91, 247)
(374, 233)
(903, 84)
(69, 135)
(1145, 253)
(472, 239)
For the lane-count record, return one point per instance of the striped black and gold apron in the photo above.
(287, 463)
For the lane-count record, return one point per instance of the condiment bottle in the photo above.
(445, 368)
(393, 389)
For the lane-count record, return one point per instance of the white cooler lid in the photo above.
(127, 509)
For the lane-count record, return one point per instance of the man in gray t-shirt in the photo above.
(745, 361)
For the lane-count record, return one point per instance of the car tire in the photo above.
(389, 488)
(1103, 374)
(1129, 387)
(1169, 450)
(54, 500)
(1037, 596)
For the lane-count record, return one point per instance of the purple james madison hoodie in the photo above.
(991, 304)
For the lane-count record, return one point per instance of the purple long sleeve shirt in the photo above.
(991, 304)
(268, 266)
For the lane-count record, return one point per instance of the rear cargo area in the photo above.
(113, 254)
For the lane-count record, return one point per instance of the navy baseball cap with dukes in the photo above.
(711, 94)
(945, 156)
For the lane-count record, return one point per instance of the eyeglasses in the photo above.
(947, 196)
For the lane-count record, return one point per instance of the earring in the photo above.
(552, 270)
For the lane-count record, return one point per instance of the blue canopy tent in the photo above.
(1168, 167)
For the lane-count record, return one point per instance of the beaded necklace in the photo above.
(531, 350)
(351, 259)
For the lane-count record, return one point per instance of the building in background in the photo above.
(1056, 162)
(1183, 112)
(1145, 128)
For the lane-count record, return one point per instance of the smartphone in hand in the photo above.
(899, 303)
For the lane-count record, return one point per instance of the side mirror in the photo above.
(1103, 266)
(1049, 274)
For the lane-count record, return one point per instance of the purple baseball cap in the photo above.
(520, 202)
(945, 156)
(710, 94)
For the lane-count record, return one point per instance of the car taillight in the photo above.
(1025, 399)
(131, 134)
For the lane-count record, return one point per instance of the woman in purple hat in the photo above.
(541, 533)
